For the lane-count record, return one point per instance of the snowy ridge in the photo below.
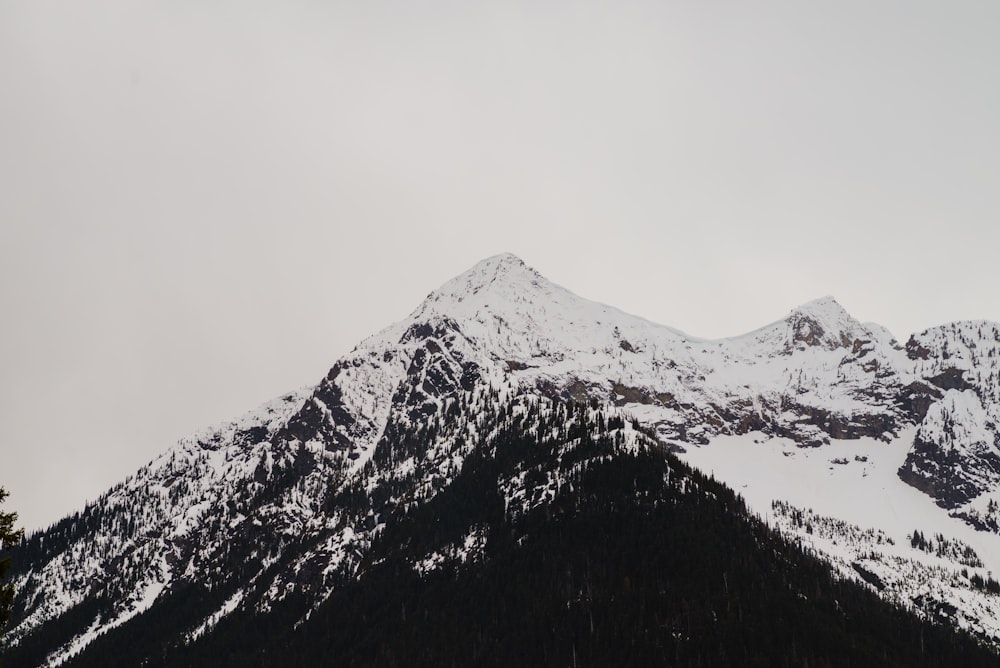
(142, 525)
(817, 410)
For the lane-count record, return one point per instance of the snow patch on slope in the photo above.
(870, 515)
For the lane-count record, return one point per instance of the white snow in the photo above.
(527, 336)
(228, 607)
(468, 549)
(866, 493)
(856, 483)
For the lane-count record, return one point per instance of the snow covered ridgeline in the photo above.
(110, 562)
(815, 376)
(290, 498)
(290, 517)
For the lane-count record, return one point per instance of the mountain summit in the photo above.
(824, 322)
(845, 440)
(497, 276)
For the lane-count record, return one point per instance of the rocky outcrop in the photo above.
(956, 451)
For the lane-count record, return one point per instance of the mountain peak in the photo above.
(502, 258)
(820, 303)
(504, 276)
(503, 267)
(517, 378)
(824, 322)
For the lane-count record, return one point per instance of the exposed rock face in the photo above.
(323, 417)
(956, 403)
(816, 376)
(956, 451)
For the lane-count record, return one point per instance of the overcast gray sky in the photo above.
(204, 204)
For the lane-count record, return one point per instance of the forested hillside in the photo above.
(613, 553)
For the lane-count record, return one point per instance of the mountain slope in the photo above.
(288, 502)
(586, 546)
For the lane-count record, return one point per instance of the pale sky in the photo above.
(204, 204)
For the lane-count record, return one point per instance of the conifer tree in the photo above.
(8, 537)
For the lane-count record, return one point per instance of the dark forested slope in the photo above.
(610, 553)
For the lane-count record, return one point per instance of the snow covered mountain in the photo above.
(882, 457)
